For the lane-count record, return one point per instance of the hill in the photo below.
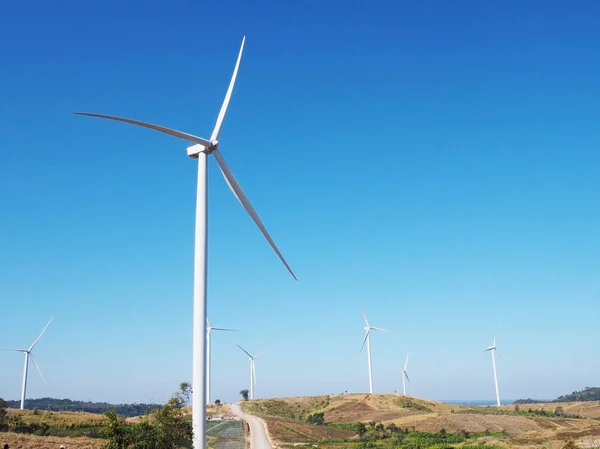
(67, 405)
(414, 422)
(587, 394)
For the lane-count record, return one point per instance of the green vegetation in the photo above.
(298, 410)
(164, 428)
(244, 394)
(318, 419)
(410, 403)
(226, 434)
(585, 395)
(67, 405)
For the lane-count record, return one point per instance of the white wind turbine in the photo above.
(252, 370)
(367, 340)
(405, 376)
(209, 330)
(28, 354)
(201, 149)
(493, 350)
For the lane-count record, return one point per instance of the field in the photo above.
(226, 434)
(505, 427)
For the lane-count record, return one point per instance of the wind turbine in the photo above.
(367, 340)
(405, 376)
(209, 329)
(493, 350)
(252, 370)
(28, 354)
(201, 149)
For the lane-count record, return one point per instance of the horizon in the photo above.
(437, 163)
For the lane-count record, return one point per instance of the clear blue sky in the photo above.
(437, 160)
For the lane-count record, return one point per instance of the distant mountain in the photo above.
(68, 405)
(587, 394)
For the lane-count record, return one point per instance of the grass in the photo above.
(501, 426)
(226, 434)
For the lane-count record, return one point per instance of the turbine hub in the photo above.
(195, 150)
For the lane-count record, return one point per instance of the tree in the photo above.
(559, 411)
(317, 419)
(3, 412)
(517, 408)
(164, 428)
(218, 402)
(361, 429)
(244, 394)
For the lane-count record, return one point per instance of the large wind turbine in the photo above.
(252, 370)
(367, 340)
(28, 354)
(493, 350)
(201, 149)
(405, 376)
(209, 329)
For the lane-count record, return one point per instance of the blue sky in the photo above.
(437, 161)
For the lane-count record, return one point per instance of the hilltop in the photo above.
(342, 420)
(68, 405)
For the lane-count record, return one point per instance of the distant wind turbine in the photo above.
(252, 370)
(209, 329)
(493, 350)
(28, 354)
(405, 376)
(367, 340)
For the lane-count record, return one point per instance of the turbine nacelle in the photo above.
(196, 149)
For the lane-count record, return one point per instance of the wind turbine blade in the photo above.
(502, 358)
(15, 350)
(223, 111)
(365, 340)
(162, 129)
(365, 315)
(260, 353)
(379, 329)
(488, 349)
(42, 333)
(221, 329)
(38, 369)
(208, 322)
(407, 378)
(244, 350)
(243, 199)
(406, 363)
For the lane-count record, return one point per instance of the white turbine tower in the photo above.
(252, 370)
(28, 354)
(405, 376)
(201, 149)
(367, 340)
(493, 350)
(209, 330)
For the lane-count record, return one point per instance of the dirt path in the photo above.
(258, 433)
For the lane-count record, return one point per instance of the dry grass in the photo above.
(60, 420)
(22, 441)
(283, 418)
(218, 410)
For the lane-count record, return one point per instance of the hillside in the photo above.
(390, 416)
(67, 405)
(587, 394)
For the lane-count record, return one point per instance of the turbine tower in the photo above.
(28, 354)
(201, 149)
(252, 370)
(367, 340)
(493, 350)
(209, 329)
(405, 376)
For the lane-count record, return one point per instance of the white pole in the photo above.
(199, 343)
(208, 332)
(24, 381)
(251, 379)
(495, 376)
(369, 358)
(404, 383)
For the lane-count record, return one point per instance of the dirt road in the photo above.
(258, 434)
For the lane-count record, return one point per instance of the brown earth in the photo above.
(23, 441)
(428, 416)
